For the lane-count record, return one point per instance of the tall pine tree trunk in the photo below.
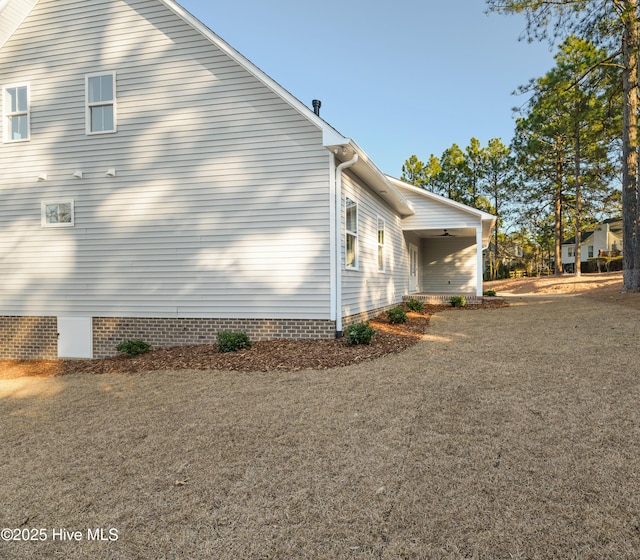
(557, 211)
(631, 247)
(495, 236)
(578, 255)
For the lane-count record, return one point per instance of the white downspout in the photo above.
(338, 243)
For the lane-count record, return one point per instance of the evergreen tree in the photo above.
(562, 141)
(414, 172)
(500, 187)
(614, 25)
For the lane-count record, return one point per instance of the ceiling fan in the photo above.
(446, 234)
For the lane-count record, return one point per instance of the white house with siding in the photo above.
(604, 239)
(155, 184)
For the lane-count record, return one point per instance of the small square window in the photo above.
(58, 214)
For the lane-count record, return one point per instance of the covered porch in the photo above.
(445, 244)
(445, 262)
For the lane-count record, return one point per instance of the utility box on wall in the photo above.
(75, 337)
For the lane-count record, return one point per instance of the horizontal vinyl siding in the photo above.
(449, 265)
(366, 288)
(220, 204)
(430, 214)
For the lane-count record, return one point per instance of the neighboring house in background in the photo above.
(155, 184)
(605, 239)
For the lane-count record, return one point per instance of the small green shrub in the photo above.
(458, 301)
(229, 341)
(133, 347)
(397, 315)
(360, 333)
(415, 305)
(489, 293)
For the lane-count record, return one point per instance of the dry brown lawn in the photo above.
(508, 433)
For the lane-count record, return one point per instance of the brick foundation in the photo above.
(163, 332)
(365, 315)
(28, 338)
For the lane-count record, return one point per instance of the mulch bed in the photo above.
(272, 355)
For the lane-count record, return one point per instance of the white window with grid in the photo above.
(101, 103)
(351, 234)
(381, 259)
(15, 107)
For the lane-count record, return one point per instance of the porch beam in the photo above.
(479, 266)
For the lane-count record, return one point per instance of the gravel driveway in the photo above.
(506, 433)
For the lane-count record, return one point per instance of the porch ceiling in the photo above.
(439, 233)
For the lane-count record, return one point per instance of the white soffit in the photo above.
(12, 14)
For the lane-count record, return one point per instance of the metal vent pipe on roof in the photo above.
(316, 106)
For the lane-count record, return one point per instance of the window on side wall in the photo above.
(57, 213)
(101, 103)
(15, 106)
(590, 251)
(351, 229)
(380, 244)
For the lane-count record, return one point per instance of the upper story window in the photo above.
(101, 103)
(351, 230)
(15, 105)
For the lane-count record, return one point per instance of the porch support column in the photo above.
(480, 267)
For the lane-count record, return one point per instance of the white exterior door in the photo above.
(75, 337)
(413, 268)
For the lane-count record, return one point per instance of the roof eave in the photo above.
(365, 169)
(488, 221)
(21, 9)
(443, 199)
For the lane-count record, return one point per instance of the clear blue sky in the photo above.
(400, 78)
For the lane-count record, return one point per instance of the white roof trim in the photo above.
(331, 138)
(252, 68)
(377, 181)
(21, 9)
(485, 216)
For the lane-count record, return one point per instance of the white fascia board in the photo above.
(441, 199)
(232, 53)
(487, 220)
(21, 9)
(372, 176)
(331, 138)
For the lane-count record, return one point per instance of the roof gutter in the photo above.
(369, 173)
